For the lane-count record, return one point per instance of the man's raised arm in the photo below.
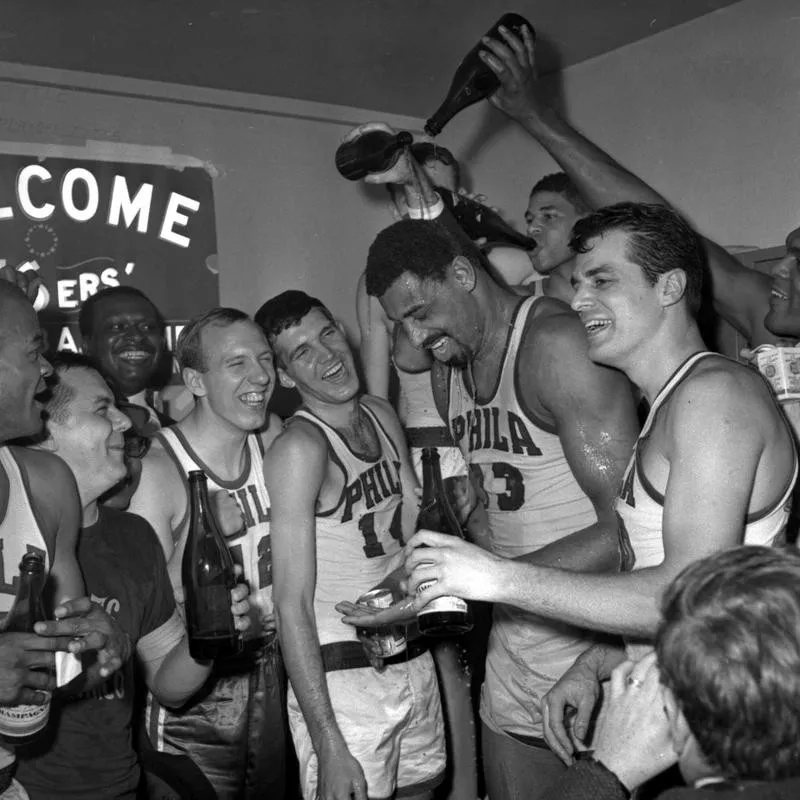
(741, 295)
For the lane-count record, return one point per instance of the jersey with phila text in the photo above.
(358, 536)
(250, 547)
(532, 499)
(640, 507)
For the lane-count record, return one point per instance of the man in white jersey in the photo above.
(39, 511)
(741, 295)
(546, 431)
(343, 504)
(234, 730)
(698, 481)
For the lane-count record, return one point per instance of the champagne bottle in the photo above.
(473, 80)
(372, 152)
(481, 222)
(443, 616)
(208, 577)
(22, 723)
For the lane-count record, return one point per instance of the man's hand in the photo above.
(576, 692)
(401, 612)
(340, 775)
(452, 567)
(90, 628)
(240, 607)
(514, 63)
(227, 512)
(403, 170)
(27, 668)
(632, 737)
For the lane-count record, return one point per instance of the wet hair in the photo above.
(86, 315)
(60, 394)
(659, 240)
(729, 650)
(286, 310)
(424, 248)
(189, 351)
(561, 183)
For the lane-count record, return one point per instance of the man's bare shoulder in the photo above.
(300, 438)
(271, 431)
(554, 324)
(721, 385)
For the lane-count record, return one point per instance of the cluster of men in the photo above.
(594, 537)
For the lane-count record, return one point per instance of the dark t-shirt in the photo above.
(88, 752)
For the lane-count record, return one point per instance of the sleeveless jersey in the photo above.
(251, 547)
(358, 536)
(640, 507)
(20, 531)
(532, 499)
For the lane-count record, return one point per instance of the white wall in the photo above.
(709, 112)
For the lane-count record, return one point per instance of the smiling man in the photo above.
(88, 751)
(124, 333)
(343, 504)
(714, 465)
(547, 433)
(234, 730)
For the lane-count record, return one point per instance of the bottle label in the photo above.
(440, 604)
(23, 720)
(210, 614)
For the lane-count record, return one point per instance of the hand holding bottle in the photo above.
(513, 61)
(401, 169)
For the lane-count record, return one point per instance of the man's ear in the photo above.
(673, 286)
(464, 273)
(195, 381)
(284, 379)
(678, 727)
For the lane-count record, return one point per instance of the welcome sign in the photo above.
(85, 224)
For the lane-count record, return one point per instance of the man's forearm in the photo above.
(301, 653)
(179, 676)
(599, 178)
(624, 604)
(592, 549)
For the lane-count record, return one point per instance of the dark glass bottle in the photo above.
(208, 577)
(444, 616)
(481, 222)
(473, 80)
(22, 723)
(372, 152)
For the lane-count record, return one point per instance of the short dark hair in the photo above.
(729, 650)
(59, 394)
(659, 240)
(561, 183)
(424, 248)
(189, 351)
(285, 310)
(87, 309)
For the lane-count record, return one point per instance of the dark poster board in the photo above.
(85, 224)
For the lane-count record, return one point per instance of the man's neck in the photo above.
(91, 512)
(216, 441)
(499, 308)
(657, 360)
(342, 416)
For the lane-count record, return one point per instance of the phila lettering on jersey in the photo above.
(532, 499)
(640, 506)
(357, 537)
(20, 530)
(251, 547)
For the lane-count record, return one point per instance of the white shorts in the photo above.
(392, 724)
